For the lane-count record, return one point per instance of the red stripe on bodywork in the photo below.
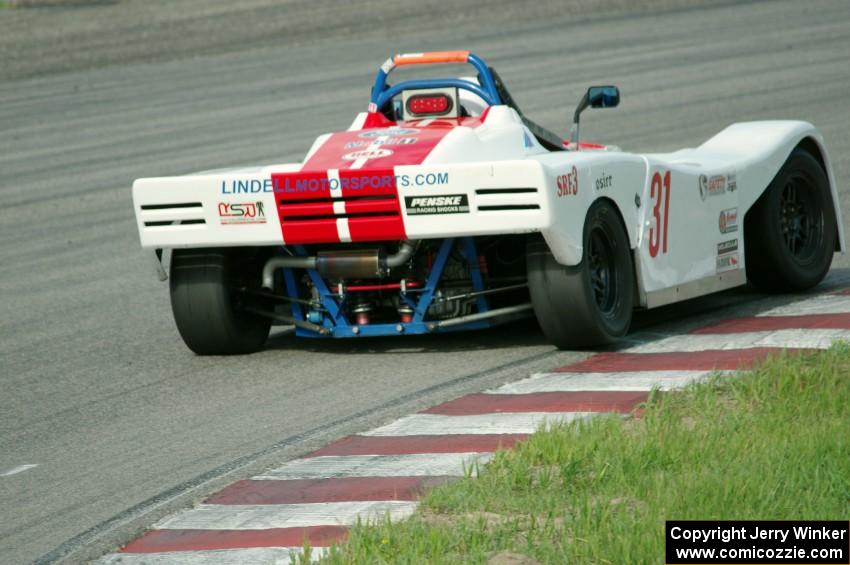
(339, 150)
(721, 359)
(461, 443)
(310, 231)
(336, 152)
(584, 401)
(385, 224)
(305, 205)
(302, 209)
(773, 323)
(346, 489)
(156, 541)
(371, 206)
(290, 190)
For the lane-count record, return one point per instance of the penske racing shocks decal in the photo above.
(443, 204)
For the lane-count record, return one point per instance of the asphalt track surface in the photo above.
(97, 389)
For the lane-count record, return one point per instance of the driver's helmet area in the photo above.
(439, 102)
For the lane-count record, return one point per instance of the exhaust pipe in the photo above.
(363, 264)
(402, 256)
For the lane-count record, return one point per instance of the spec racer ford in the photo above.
(443, 208)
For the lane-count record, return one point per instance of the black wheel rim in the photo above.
(800, 220)
(603, 271)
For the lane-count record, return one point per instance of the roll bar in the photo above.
(381, 95)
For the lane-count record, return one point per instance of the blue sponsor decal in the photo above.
(388, 131)
(388, 141)
(365, 182)
(423, 179)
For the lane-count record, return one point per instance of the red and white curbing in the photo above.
(382, 472)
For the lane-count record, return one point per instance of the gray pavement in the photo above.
(86, 34)
(96, 387)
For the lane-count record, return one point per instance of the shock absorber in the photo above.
(405, 314)
(362, 311)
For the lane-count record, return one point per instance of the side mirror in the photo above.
(603, 96)
(595, 97)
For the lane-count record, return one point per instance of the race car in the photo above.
(444, 208)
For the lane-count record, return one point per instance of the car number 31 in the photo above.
(659, 194)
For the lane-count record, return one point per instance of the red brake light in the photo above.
(429, 105)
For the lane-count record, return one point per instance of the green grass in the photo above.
(771, 444)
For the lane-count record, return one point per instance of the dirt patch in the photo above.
(629, 504)
(508, 558)
(490, 519)
(519, 524)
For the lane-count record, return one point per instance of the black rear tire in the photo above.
(589, 304)
(207, 309)
(790, 231)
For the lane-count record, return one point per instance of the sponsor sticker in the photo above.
(388, 131)
(728, 262)
(234, 213)
(389, 141)
(443, 204)
(294, 182)
(711, 186)
(604, 181)
(367, 154)
(568, 184)
(731, 182)
(728, 221)
(727, 246)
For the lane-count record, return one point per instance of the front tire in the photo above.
(589, 304)
(208, 309)
(790, 231)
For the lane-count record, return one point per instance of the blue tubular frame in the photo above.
(487, 91)
(388, 94)
(332, 311)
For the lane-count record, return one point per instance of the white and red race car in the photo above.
(443, 208)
